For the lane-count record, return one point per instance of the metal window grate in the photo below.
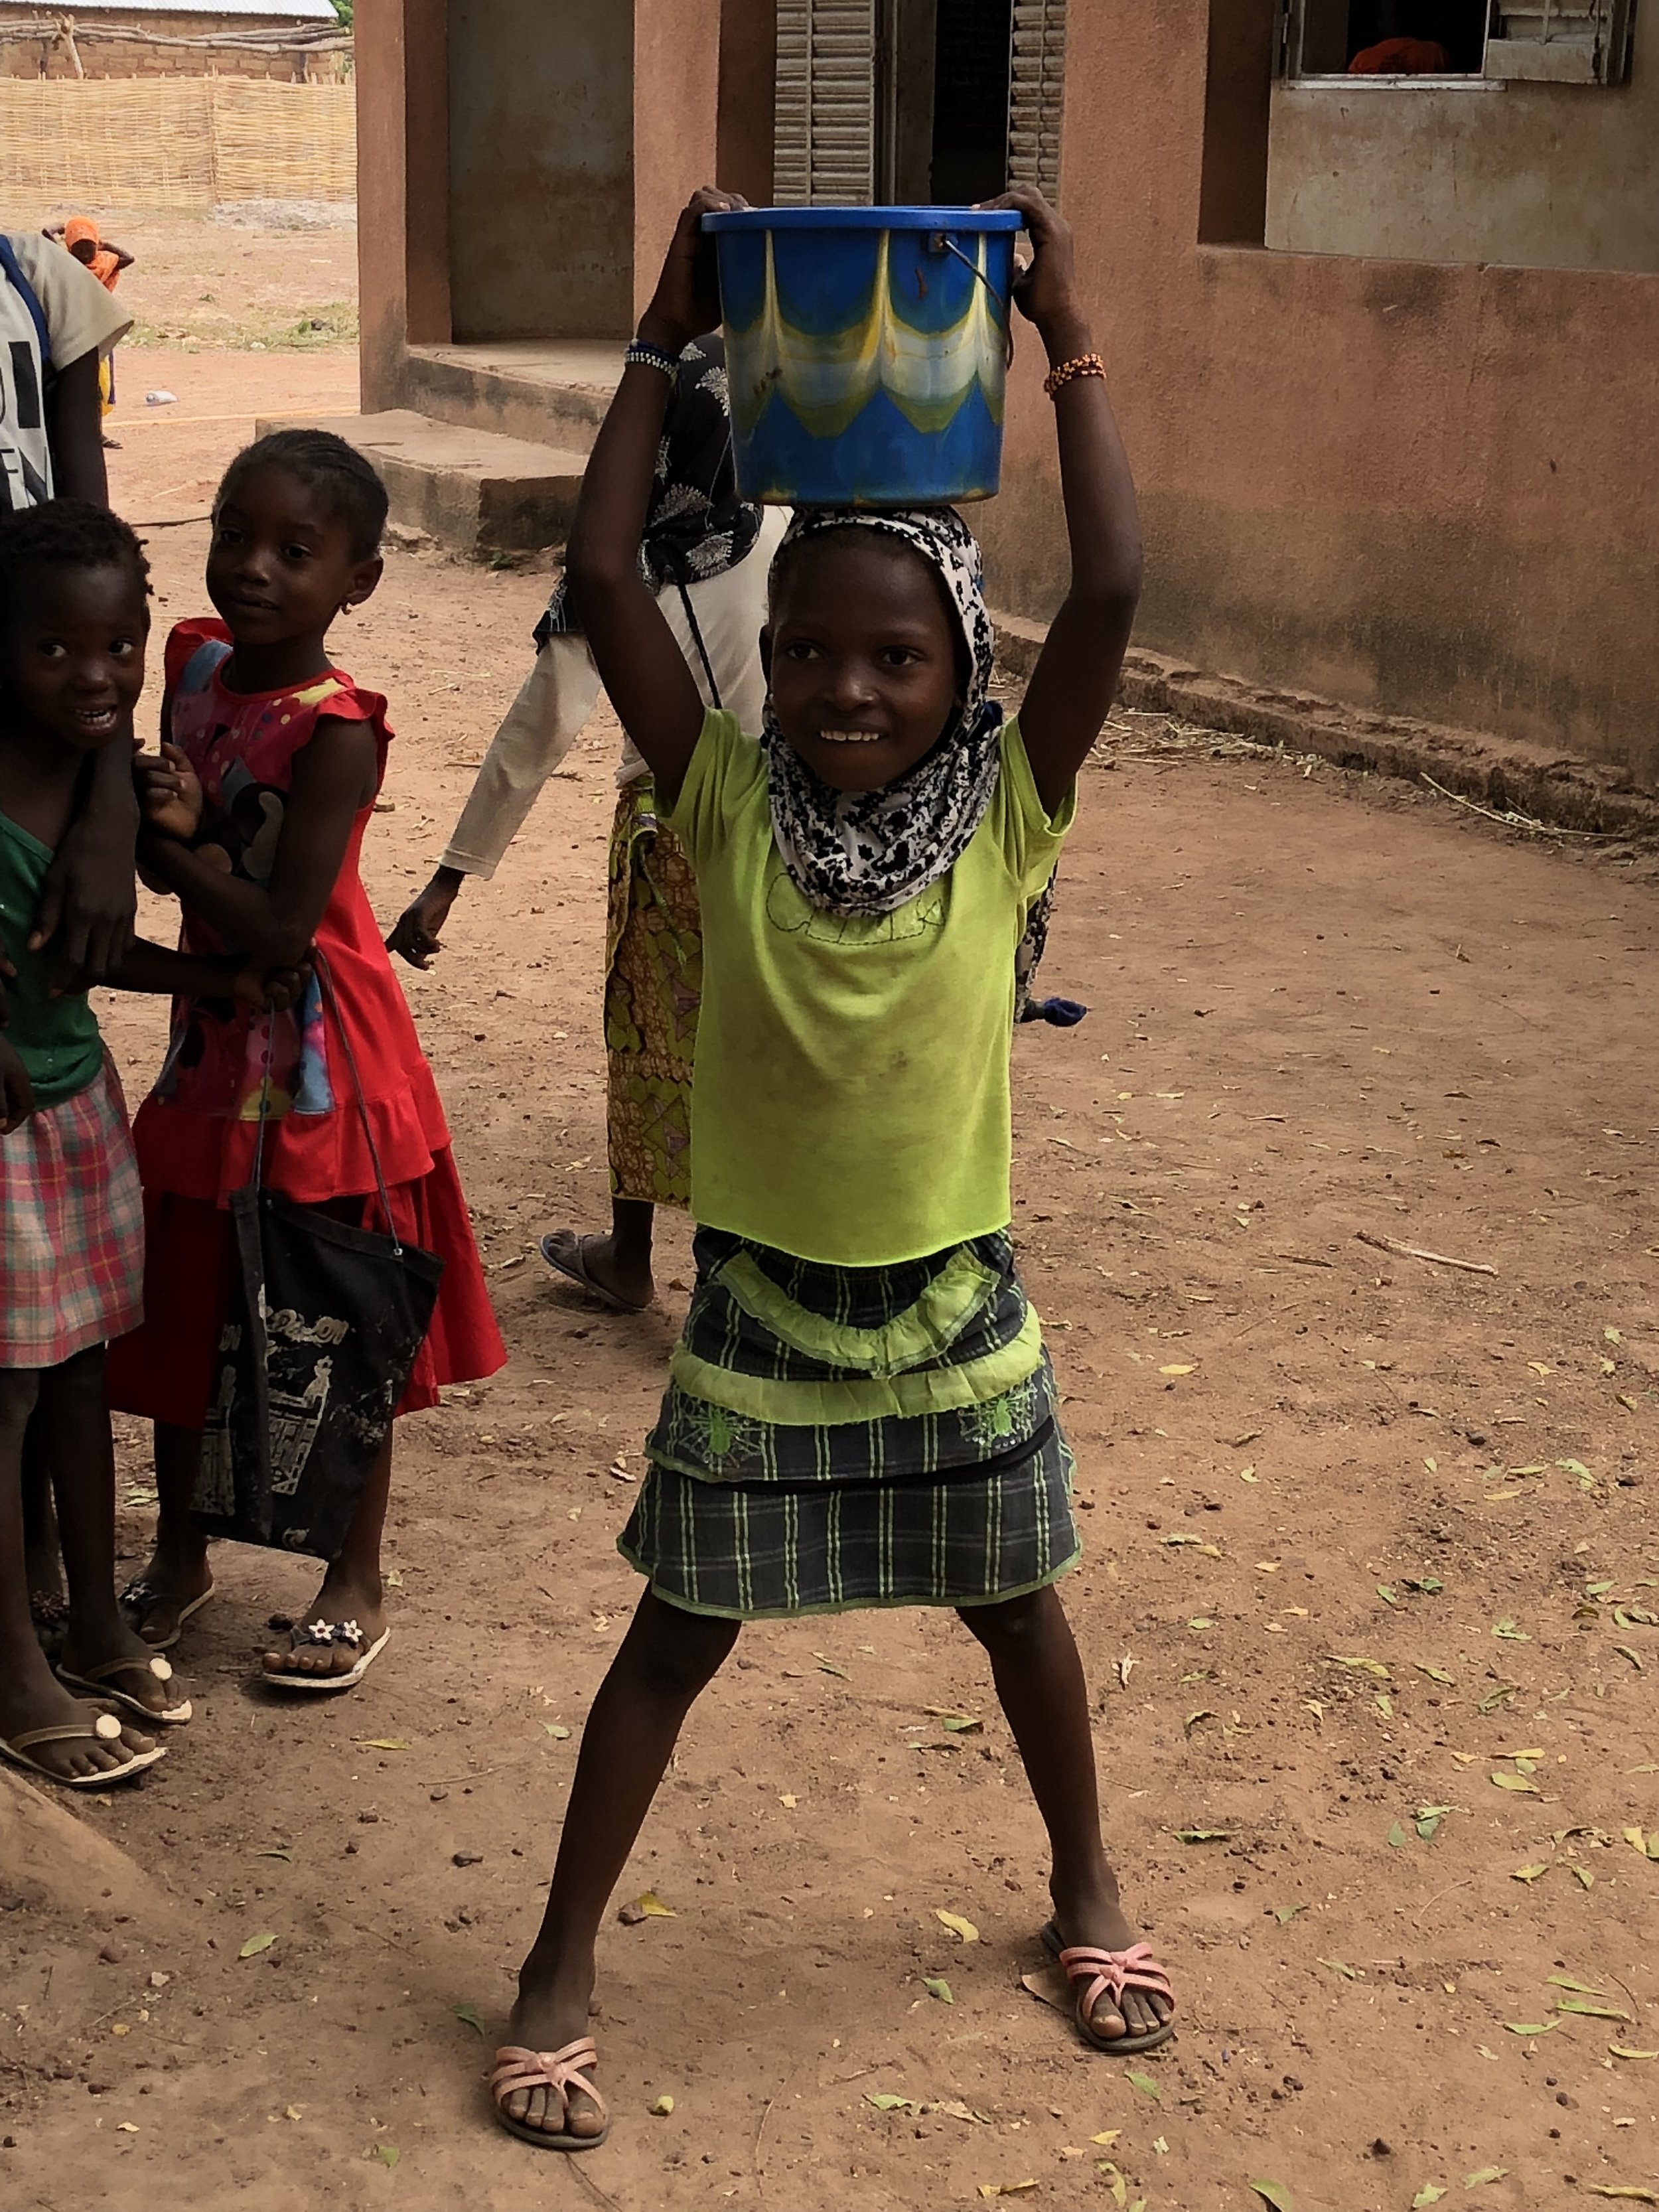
(1037, 93)
(825, 107)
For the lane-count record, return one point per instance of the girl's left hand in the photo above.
(687, 300)
(16, 1092)
(170, 793)
(271, 990)
(1045, 290)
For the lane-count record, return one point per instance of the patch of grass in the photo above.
(206, 325)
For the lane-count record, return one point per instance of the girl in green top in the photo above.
(73, 620)
(860, 1409)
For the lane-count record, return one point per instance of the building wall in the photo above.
(676, 58)
(541, 168)
(1424, 489)
(106, 58)
(1537, 175)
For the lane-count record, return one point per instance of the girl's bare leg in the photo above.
(667, 1659)
(1041, 1687)
(177, 1571)
(73, 1423)
(31, 1696)
(352, 1589)
(46, 1562)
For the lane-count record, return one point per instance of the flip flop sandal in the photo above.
(1113, 1972)
(100, 1681)
(570, 1261)
(98, 1728)
(140, 1594)
(323, 1636)
(561, 2071)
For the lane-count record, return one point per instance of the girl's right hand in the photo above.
(16, 1092)
(170, 793)
(1045, 290)
(416, 933)
(687, 300)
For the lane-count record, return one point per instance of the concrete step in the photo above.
(474, 490)
(555, 389)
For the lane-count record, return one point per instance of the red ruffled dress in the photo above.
(195, 1134)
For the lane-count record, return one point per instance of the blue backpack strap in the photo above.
(13, 268)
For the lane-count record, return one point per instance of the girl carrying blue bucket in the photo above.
(860, 1411)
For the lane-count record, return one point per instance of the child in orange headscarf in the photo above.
(105, 260)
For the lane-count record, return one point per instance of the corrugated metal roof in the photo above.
(310, 11)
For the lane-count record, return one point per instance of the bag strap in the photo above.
(325, 984)
(326, 981)
(697, 639)
(14, 270)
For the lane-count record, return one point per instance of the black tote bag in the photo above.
(323, 1328)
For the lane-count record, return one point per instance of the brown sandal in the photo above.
(97, 1727)
(517, 2068)
(101, 1682)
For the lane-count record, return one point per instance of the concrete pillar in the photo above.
(748, 88)
(1232, 203)
(403, 200)
(676, 58)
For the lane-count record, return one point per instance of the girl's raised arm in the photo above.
(640, 664)
(1075, 680)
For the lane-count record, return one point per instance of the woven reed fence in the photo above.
(174, 142)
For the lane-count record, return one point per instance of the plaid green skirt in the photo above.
(836, 1437)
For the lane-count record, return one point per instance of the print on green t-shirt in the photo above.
(850, 1103)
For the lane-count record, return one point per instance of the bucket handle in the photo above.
(940, 242)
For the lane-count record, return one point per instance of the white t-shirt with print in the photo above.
(81, 318)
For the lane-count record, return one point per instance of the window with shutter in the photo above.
(825, 141)
(1561, 41)
(1547, 41)
(1037, 93)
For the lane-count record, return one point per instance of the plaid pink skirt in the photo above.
(71, 1229)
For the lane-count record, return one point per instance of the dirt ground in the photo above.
(1377, 1743)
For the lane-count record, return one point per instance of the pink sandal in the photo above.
(1112, 1971)
(517, 2068)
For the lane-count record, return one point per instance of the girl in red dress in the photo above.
(255, 817)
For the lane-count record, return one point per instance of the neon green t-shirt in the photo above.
(850, 1103)
(56, 1039)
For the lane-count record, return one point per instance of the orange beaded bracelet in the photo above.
(1085, 364)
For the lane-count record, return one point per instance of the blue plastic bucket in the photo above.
(866, 349)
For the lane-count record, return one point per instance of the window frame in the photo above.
(1600, 59)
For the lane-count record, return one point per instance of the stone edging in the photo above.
(1552, 788)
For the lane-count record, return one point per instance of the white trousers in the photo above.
(563, 687)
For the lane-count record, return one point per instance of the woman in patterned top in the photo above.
(703, 555)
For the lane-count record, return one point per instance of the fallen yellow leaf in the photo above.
(958, 1925)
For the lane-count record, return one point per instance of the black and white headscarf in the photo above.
(872, 852)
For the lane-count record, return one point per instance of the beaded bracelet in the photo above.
(640, 352)
(1083, 364)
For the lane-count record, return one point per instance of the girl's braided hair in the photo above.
(66, 533)
(354, 492)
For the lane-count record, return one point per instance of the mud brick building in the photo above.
(1383, 345)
